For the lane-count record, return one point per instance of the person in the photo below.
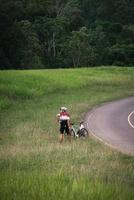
(63, 118)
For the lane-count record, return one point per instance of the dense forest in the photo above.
(66, 33)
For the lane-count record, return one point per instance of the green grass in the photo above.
(33, 165)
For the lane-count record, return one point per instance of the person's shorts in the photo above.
(64, 127)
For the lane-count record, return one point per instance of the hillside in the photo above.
(33, 164)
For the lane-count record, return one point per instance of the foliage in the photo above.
(42, 34)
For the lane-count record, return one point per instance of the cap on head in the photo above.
(63, 108)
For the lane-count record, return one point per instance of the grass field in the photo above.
(33, 165)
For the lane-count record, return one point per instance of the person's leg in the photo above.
(68, 134)
(61, 137)
(61, 132)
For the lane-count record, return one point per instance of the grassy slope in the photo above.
(32, 163)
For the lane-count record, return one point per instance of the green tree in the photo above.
(31, 52)
(73, 14)
(80, 50)
(10, 33)
(52, 33)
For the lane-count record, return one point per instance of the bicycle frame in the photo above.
(76, 132)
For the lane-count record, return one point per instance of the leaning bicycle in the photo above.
(78, 131)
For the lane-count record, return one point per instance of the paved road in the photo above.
(113, 123)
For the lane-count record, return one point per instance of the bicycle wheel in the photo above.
(83, 132)
(72, 133)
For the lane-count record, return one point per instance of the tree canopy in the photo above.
(66, 33)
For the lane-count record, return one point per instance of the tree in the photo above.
(10, 33)
(80, 49)
(72, 13)
(31, 52)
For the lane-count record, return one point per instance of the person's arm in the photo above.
(58, 117)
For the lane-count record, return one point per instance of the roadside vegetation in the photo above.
(33, 165)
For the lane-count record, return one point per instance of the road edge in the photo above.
(86, 116)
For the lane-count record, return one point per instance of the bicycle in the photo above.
(78, 131)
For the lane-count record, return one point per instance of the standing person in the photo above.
(64, 120)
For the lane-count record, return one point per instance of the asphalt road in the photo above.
(113, 123)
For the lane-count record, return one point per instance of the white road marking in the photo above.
(129, 119)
